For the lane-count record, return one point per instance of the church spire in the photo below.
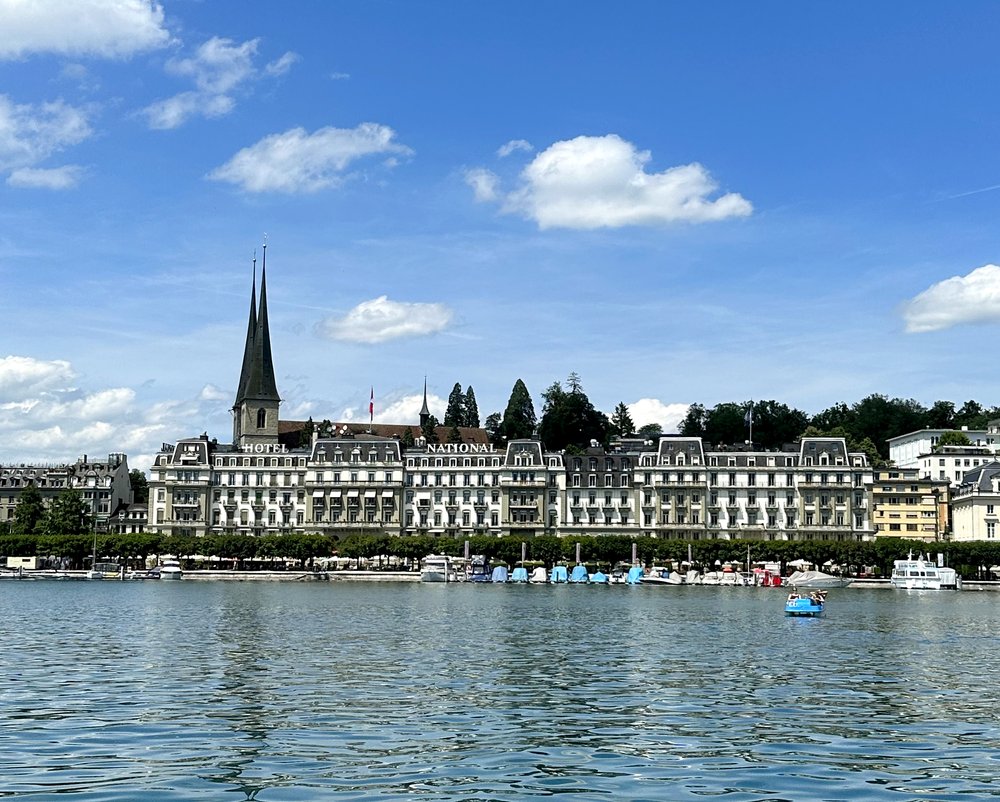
(260, 382)
(425, 412)
(241, 389)
(255, 413)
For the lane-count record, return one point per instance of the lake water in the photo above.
(302, 691)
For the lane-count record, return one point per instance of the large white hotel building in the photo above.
(351, 480)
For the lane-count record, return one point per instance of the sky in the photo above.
(680, 202)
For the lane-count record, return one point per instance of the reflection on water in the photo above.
(192, 690)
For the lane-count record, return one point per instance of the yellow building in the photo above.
(905, 505)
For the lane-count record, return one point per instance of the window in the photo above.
(261, 418)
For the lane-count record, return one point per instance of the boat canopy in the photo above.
(599, 578)
(499, 574)
(519, 574)
(634, 575)
(558, 574)
(580, 574)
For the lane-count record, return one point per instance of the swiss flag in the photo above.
(371, 405)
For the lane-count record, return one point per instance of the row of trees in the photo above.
(570, 421)
(970, 559)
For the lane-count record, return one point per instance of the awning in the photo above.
(318, 493)
(352, 493)
(369, 494)
(386, 493)
(335, 493)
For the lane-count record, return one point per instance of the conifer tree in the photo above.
(471, 408)
(454, 415)
(519, 416)
(621, 421)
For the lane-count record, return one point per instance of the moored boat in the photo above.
(519, 575)
(105, 571)
(922, 574)
(817, 580)
(437, 568)
(170, 568)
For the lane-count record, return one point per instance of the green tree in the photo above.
(428, 429)
(775, 424)
(941, 415)
(694, 422)
(519, 416)
(953, 438)
(650, 431)
(306, 433)
(454, 415)
(471, 408)
(29, 513)
(492, 426)
(454, 435)
(67, 515)
(621, 421)
(140, 486)
(407, 439)
(569, 420)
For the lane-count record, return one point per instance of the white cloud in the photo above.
(282, 65)
(339, 76)
(515, 144)
(23, 377)
(297, 161)
(652, 410)
(65, 177)
(45, 418)
(219, 68)
(380, 319)
(398, 410)
(32, 133)
(601, 182)
(107, 28)
(484, 183)
(973, 298)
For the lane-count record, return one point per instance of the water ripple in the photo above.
(196, 690)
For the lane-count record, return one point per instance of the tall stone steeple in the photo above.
(255, 413)
(425, 413)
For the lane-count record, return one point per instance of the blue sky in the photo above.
(682, 202)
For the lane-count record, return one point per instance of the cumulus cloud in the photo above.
(22, 377)
(30, 133)
(297, 161)
(106, 28)
(484, 183)
(397, 410)
(380, 319)
(219, 69)
(601, 182)
(652, 410)
(515, 144)
(65, 177)
(973, 298)
(45, 417)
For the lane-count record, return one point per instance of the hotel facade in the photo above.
(283, 476)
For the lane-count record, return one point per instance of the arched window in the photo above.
(261, 418)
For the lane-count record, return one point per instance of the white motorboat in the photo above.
(922, 574)
(817, 580)
(170, 568)
(437, 568)
(662, 576)
(105, 571)
(539, 576)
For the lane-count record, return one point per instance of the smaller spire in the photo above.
(425, 412)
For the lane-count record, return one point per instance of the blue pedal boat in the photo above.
(811, 605)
